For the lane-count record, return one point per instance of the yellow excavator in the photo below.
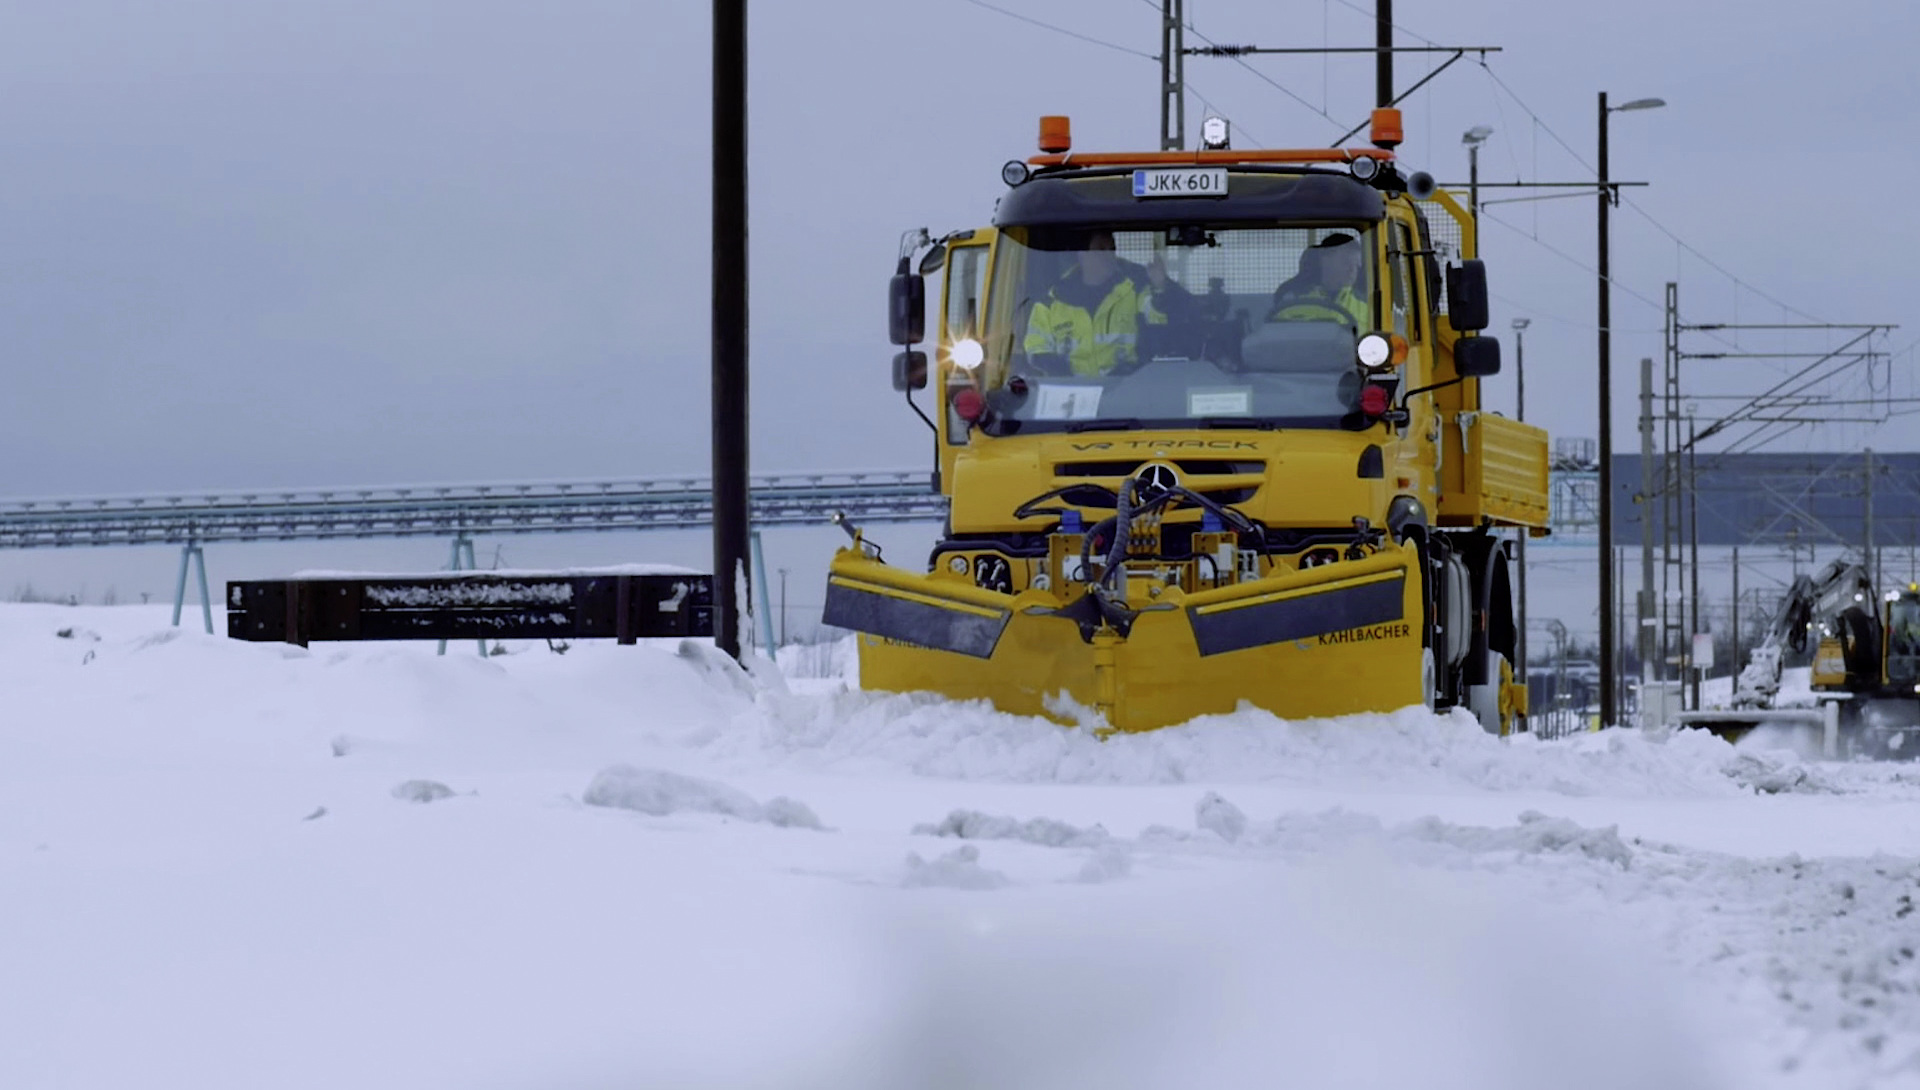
(1210, 426)
(1866, 658)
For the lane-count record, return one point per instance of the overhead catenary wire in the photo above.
(1262, 76)
(1572, 260)
(1063, 30)
(1682, 243)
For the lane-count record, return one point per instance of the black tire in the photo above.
(1415, 538)
(1489, 666)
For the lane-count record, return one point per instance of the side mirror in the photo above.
(910, 371)
(907, 307)
(935, 259)
(1476, 357)
(1467, 296)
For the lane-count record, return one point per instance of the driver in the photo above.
(1906, 633)
(1091, 316)
(1322, 290)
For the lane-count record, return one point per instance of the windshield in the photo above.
(1903, 640)
(1168, 325)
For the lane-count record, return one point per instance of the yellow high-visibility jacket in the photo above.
(1317, 304)
(1093, 335)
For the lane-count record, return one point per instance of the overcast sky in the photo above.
(305, 243)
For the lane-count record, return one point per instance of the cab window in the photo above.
(966, 283)
(1406, 315)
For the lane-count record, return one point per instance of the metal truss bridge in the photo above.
(663, 503)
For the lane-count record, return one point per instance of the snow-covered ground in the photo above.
(246, 865)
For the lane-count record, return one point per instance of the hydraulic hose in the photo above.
(1122, 532)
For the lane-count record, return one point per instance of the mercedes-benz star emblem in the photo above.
(1157, 479)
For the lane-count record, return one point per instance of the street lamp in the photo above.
(1473, 138)
(1520, 413)
(1607, 664)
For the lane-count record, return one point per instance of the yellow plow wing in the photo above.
(1331, 640)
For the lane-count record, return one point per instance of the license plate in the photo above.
(1181, 182)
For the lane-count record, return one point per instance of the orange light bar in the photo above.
(1221, 157)
(1056, 134)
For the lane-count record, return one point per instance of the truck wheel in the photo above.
(1429, 666)
(1493, 638)
(1495, 715)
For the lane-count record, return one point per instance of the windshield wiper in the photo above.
(1239, 423)
(1114, 423)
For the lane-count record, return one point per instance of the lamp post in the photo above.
(1607, 664)
(1473, 138)
(783, 607)
(1520, 413)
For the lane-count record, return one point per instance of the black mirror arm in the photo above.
(910, 242)
(1454, 381)
(917, 411)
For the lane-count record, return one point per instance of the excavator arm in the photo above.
(1812, 599)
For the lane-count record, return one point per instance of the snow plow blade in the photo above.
(1331, 640)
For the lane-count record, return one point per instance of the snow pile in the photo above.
(1536, 834)
(1775, 773)
(878, 733)
(422, 791)
(958, 869)
(659, 793)
(1046, 832)
(1109, 862)
(1220, 817)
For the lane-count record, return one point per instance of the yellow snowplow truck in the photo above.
(1210, 426)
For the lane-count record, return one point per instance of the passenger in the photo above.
(1323, 289)
(1091, 316)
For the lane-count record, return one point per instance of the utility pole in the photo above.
(783, 607)
(1693, 531)
(1383, 43)
(1173, 82)
(1618, 685)
(1733, 667)
(1644, 613)
(1520, 414)
(1607, 667)
(730, 526)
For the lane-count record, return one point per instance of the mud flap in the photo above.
(922, 620)
(1300, 613)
